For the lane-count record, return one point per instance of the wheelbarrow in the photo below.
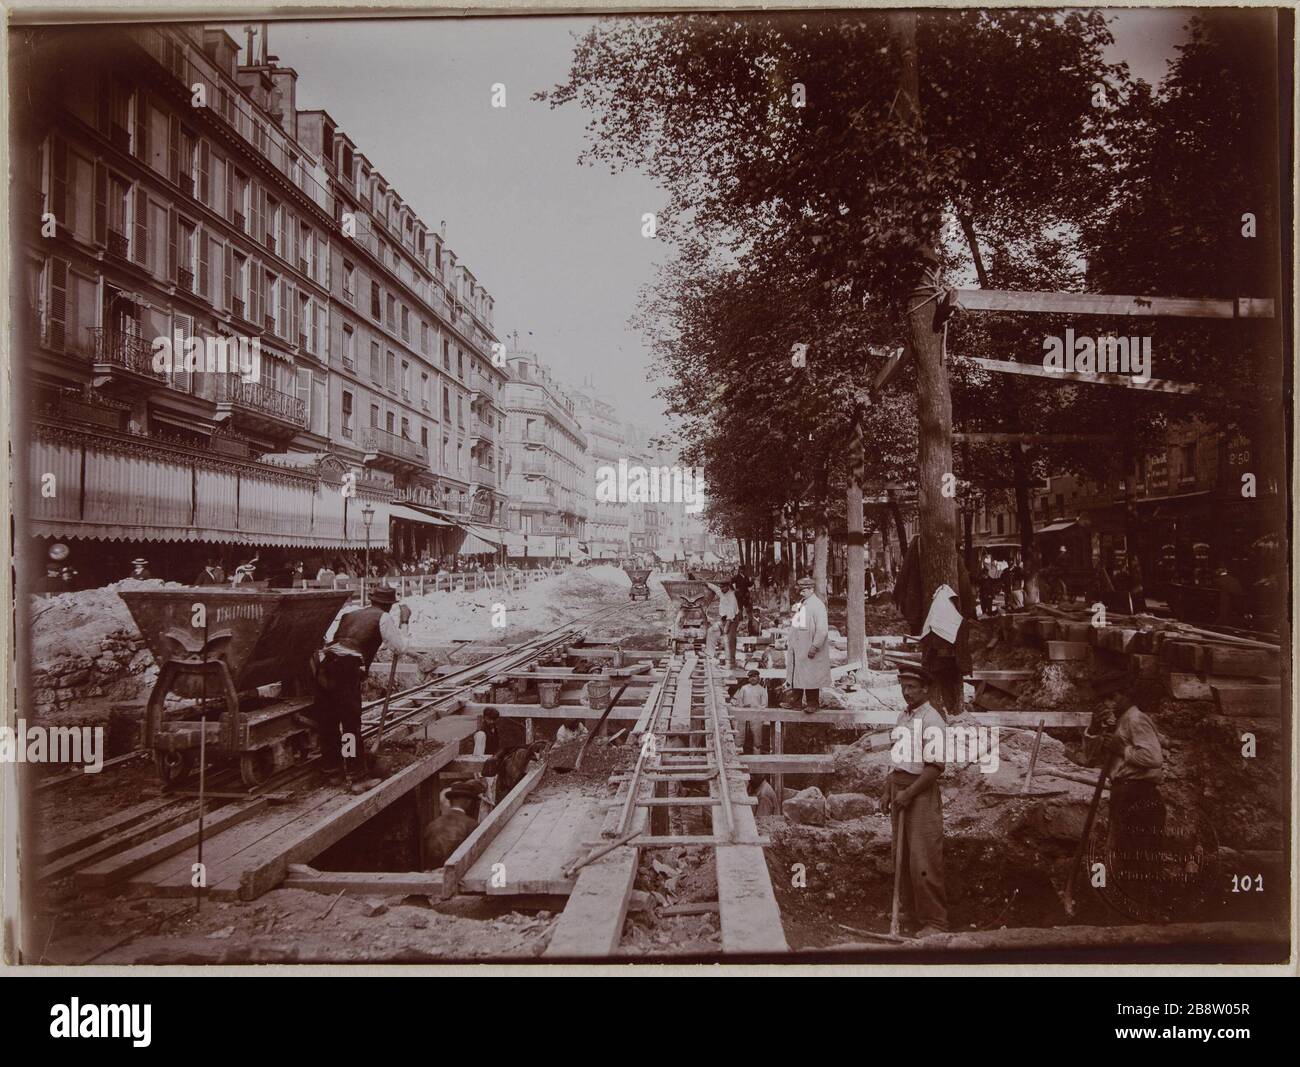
(640, 583)
(691, 600)
(225, 643)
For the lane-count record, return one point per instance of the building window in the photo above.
(349, 282)
(349, 345)
(390, 319)
(406, 380)
(424, 338)
(375, 303)
(388, 422)
(391, 367)
(374, 361)
(446, 354)
(374, 416)
(406, 323)
(460, 364)
(347, 414)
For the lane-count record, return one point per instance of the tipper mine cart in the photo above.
(640, 583)
(217, 646)
(691, 601)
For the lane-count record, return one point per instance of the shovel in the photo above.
(561, 768)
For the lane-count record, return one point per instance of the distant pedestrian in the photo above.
(140, 569)
(211, 574)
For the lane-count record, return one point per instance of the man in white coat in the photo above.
(808, 653)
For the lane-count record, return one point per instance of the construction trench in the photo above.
(652, 848)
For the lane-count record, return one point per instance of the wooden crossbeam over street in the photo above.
(1108, 304)
(1032, 370)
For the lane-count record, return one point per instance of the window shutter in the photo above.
(174, 149)
(295, 325)
(58, 308)
(282, 324)
(229, 278)
(172, 260)
(140, 142)
(322, 261)
(255, 196)
(141, 249)
(254, 292)
(205, 173)
(205, 255)
(101, 204)
(230, 191)
(304, 389)
(314, 331)
(59, 181)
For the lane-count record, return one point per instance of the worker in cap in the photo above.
(915, 805)
(808, 652)
(753, 694)
(728, 616)
(340, 666)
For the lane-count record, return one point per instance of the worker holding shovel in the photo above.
(913, 801)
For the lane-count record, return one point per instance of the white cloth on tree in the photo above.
(944, 618)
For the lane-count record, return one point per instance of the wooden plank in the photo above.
(626, 710)
(365, 883)
(1124, 381)
(789, 763)
(79, 838)
(591, 924)
(1250, 700)
(1058, 651)
(173, 877)
(144, 855)
(1000, 676)
(519, 862)
(472, 847)
(130, 838)
(1248, 662)
(299, 844)
(1108, 304)
(747, 910)
(475, 880)
(536, 864)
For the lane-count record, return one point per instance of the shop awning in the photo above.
(492, 536)
(410, 514)
(1057, 527)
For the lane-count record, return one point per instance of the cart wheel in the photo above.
(256, 767)
(173, 767)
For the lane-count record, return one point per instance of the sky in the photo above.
(558, 245)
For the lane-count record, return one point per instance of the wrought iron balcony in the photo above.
(394, 447)
(185, 279)
(263, 400)
(125, 351)
(118, 244)
(237, 307)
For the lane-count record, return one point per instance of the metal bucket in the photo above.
(548, 694)
(598, 694)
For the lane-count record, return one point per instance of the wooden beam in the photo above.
(1035, 438)
(789, 763)
(1033, 370)
(1106, 304)
(156, 849)
(306, 844)
(1250, 700)
(623, 712)
(884, 717)
(472, 847)
(365, 883)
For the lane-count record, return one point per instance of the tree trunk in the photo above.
(855, 561)
(821, 557)
(1025, 524)
(937, 512)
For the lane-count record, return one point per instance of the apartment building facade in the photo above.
(547, 463)
(165, 190)
(609, 524)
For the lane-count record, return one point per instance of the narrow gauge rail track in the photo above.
(425, 702)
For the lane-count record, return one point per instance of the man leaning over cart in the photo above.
(340, 667)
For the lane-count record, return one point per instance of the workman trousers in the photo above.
(923, 893)
(338, 714)
(729, 628)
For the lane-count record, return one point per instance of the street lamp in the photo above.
(367, 517)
